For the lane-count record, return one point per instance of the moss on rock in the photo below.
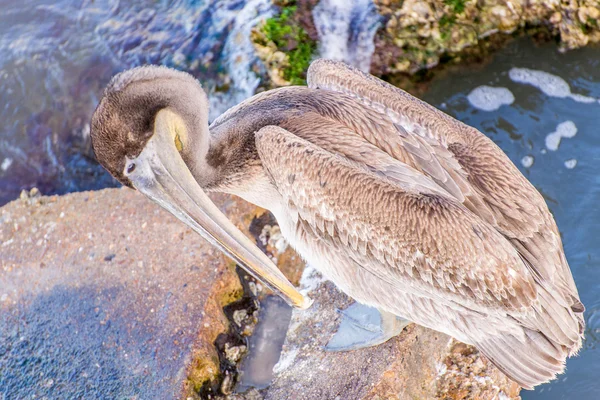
(418, 35)
(284, 46)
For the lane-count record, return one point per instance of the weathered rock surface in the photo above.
(416, 33)
(418, 364)
(105, 295)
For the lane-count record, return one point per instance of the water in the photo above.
(265, 344)
(346, 31)
(542, 107)
(550, 131)
(57, 56)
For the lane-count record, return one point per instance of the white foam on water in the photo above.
(552, 141)
(6, 163)
(570, 164)
(549, 84)
(583, 99)
(50, 152)
(346, 30)
(488, 98)
(565, 129)
(527, 161)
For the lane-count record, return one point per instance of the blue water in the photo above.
(573, 195)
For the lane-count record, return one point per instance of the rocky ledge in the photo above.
(105, 295)
(416, 35)
(418, 364)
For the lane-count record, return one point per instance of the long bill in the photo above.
(161, 174)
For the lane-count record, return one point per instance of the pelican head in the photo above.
(149, 131)
(125, 119)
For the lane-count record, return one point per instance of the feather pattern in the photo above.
(489, 183)
(491, 186)
(422, 254)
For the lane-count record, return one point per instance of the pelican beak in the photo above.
(161, 174)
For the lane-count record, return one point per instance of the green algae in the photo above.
(288, 37)
(458, 6)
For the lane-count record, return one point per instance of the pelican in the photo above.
(403, 207)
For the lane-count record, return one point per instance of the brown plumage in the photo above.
(399, 204)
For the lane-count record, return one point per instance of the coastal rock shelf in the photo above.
(105, 295)
(407, 36)
(417, 33)
(417, 364)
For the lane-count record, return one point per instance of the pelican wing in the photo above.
(425, 243)
(414, 235)
(468, 165)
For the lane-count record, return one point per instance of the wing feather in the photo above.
(458, 270)
(425, 240)
(467, 165)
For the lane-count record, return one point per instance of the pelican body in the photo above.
(403, 207)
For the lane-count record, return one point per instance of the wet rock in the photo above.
(285, 43)
(417, 34)
(462, 367)
(144, 323)
(234, 353)
(418, 364)
(105, 295)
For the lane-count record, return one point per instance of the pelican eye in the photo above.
(130, 168)
(178, 143)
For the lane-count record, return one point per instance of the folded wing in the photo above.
(420, 239)
(469, 166)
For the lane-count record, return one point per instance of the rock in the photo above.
(105, 295)
(418, 364)
(417, 33)
(286, 48)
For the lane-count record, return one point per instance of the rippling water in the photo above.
(553, 119)
(540, 106)
(57, 55)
